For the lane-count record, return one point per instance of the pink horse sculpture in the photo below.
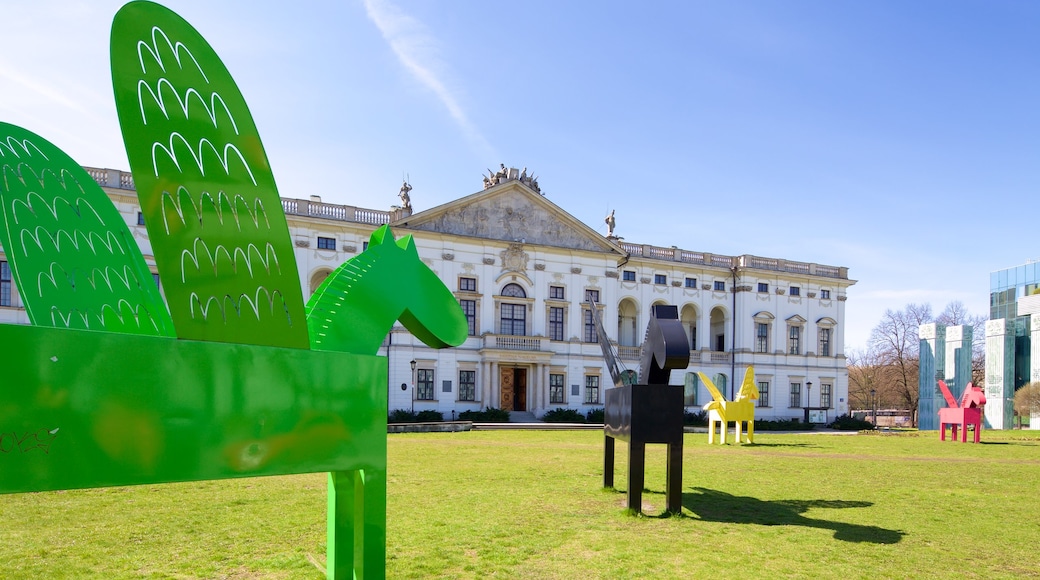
(967, 413)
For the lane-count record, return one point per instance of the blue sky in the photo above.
(900, 139)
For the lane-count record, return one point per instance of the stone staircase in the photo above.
(522, 417)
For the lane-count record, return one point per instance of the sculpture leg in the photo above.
(711, 430)
(724, 427)
(942, 431)
(953, 430)
(636, 465)
(341, 525)
(673, 490)
(964, 432)
(374, 521)
(978, 431)
(356, 533)
(608, 461)
(738, 431)
(751, 431)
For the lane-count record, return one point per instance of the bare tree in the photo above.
(896, 342)
(955, 314)
(1027, 400)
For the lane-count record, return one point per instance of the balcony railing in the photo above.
(675, 254)
(720, 357)
(510, 342)
(629, 352)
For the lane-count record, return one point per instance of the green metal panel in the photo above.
(354, 307)
(89, 409)
(211, 207)
(72, 257)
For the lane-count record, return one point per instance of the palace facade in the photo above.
(524, 272)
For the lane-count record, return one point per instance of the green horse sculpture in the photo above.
(110, 385)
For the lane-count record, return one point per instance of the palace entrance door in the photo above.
(513, 383)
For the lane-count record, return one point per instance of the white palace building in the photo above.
(523, 269)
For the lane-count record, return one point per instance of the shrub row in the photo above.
(850, 423)
(489, 415)
(561, 415)
(406, 416)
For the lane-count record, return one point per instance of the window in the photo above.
(825, 342)
(795, 291)
(763, 287)
(514, 291)
(467, 385)
(690, 283)
(825, 294)
(720, 286)
(796, 395)
(556, 292)
(424, 384)
(589, 323)
(514, 319)
(5, 284)
(660, 279)
(763, 393)
(794, 340)
(467, 284)
(140, 218)
(364, 246)
(628, 275)
(155, 276)
(469, 308)
(720, 343)
(326, 243)
(690, 385)
(825, 395)
(590, 327)
(555, 323)
(557, 394)
(761, 337)
(591, 389)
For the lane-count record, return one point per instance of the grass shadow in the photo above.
(718, 506)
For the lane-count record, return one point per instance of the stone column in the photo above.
(496, 392)
(932, 367)
(1000, 373)
(485, 383)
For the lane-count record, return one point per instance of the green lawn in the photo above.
(530, 505)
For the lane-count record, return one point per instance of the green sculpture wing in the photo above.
(72, 256)
(212, 210)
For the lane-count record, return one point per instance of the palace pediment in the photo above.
(510, 212)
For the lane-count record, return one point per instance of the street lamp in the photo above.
(412, 364)
(808, 394)
(873, 406)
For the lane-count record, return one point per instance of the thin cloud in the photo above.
(414, 46)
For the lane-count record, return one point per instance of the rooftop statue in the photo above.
(505, 174)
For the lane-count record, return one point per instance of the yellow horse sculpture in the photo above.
(742, 409)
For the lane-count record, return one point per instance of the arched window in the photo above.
(689, 324)
(514, 291)
(513, 317)
(718, 329)
(720, 382)
(318, 278)
(690, 389)
(627, 333)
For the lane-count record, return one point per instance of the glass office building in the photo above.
(1011, 293)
